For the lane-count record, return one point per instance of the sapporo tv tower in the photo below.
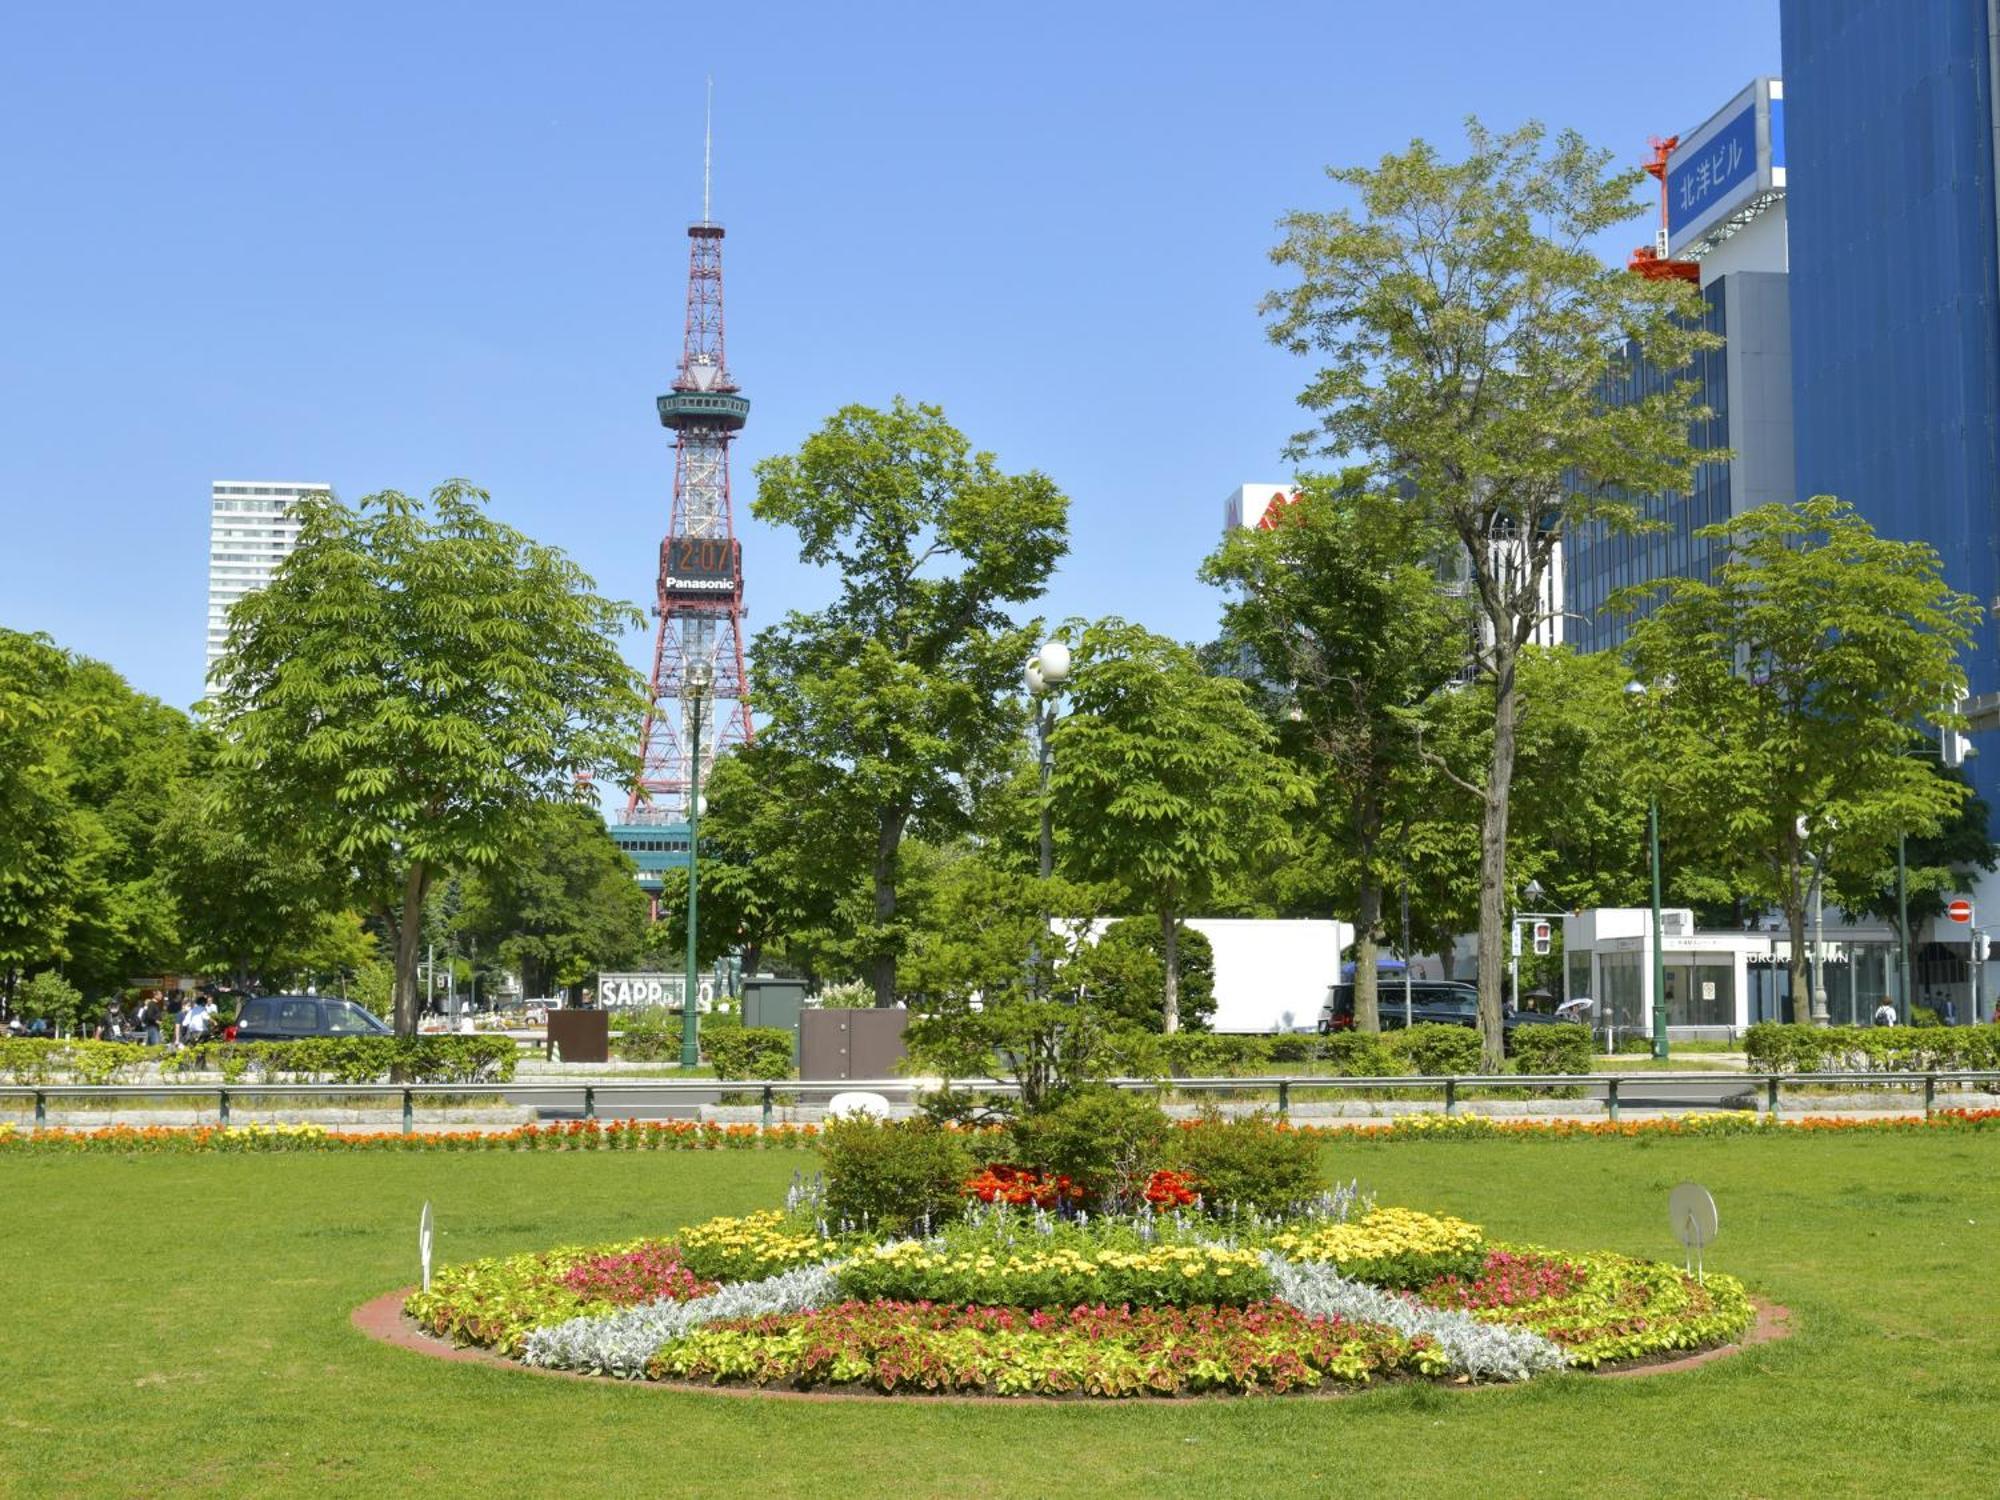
(697, 705)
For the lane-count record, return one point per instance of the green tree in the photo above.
(900, 693)
(1784, 694)
(562, 905)
(50, 998)
(41, 879)
(411, 685)
(252, 903)
(1124, 974)
(1468, 335)
(1340, 605)
(87, 769)
(1165, 778)
(776, 859)
(1935, 865)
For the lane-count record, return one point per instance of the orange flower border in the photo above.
(707, 1135)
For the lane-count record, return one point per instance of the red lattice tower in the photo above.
(700, 597)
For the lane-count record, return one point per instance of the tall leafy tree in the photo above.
(251, 903)
(561, 905)
(1165, 779)
(900, 693)
(1339, 602)
(1468, 337)
(413, 683)
(776, 859)
(1934, 865)
(1787, 689)
(41, 878)
(88, 768)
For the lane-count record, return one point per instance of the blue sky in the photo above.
(380, 245)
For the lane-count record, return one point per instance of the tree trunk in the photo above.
(409, 942)
(1367, 983)
(1801, 985)
(1170, 952)
(1493, 854)
(888, 841)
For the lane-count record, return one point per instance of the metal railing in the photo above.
(1452, 1087)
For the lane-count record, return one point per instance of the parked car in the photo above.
(278, 1018)
(1432, 1002)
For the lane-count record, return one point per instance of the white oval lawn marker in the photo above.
(1692, 1212)
(424, 1243)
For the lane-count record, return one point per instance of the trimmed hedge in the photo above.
(1565, 1048)
(1775, 1047)
(1436, 1049)
(749, 1051)
(345, 1059)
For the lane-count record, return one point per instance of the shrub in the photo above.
(893, 1174)
(649, 1034)
(1438, 1050)
(1105, 1141)
(345, 1059)
(1553, 1049)
(750, 1052)
(1923, 1015)
(849, 994)
(1362, 1054)
(1254, 1164)
(1198, 1054)
(1291, 1047)
(1781, 1048)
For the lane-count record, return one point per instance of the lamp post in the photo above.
(700, 678)
(1046, 672)
(1636, 692)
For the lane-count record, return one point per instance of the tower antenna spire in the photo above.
(707, 148)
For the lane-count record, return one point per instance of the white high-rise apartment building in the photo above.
(252, 527)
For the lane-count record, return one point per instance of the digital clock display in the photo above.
(700, 567)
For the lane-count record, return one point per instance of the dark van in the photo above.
(278, 1018)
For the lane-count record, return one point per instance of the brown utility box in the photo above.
(583, 1035)
(840, 1044)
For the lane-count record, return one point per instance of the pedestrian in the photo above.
(1885, 1013)
(1950, 1012)
(194, 1022)
(174, 1018)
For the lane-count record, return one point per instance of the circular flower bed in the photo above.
(1010, 1300)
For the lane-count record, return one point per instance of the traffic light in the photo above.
(1543, 934)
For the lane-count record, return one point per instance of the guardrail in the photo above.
(1282, 1083)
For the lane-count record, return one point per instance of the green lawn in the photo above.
(180, 1325)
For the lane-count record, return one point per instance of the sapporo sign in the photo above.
(619, 991)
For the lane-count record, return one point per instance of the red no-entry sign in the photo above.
(1960, 910)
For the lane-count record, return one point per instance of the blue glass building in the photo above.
(1896, 282)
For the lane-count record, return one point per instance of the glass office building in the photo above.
(1726, 212)
(1896, 282)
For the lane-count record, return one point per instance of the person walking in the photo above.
(1885, 1013)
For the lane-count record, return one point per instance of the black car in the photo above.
(278, 1018)
(1434, 1002)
